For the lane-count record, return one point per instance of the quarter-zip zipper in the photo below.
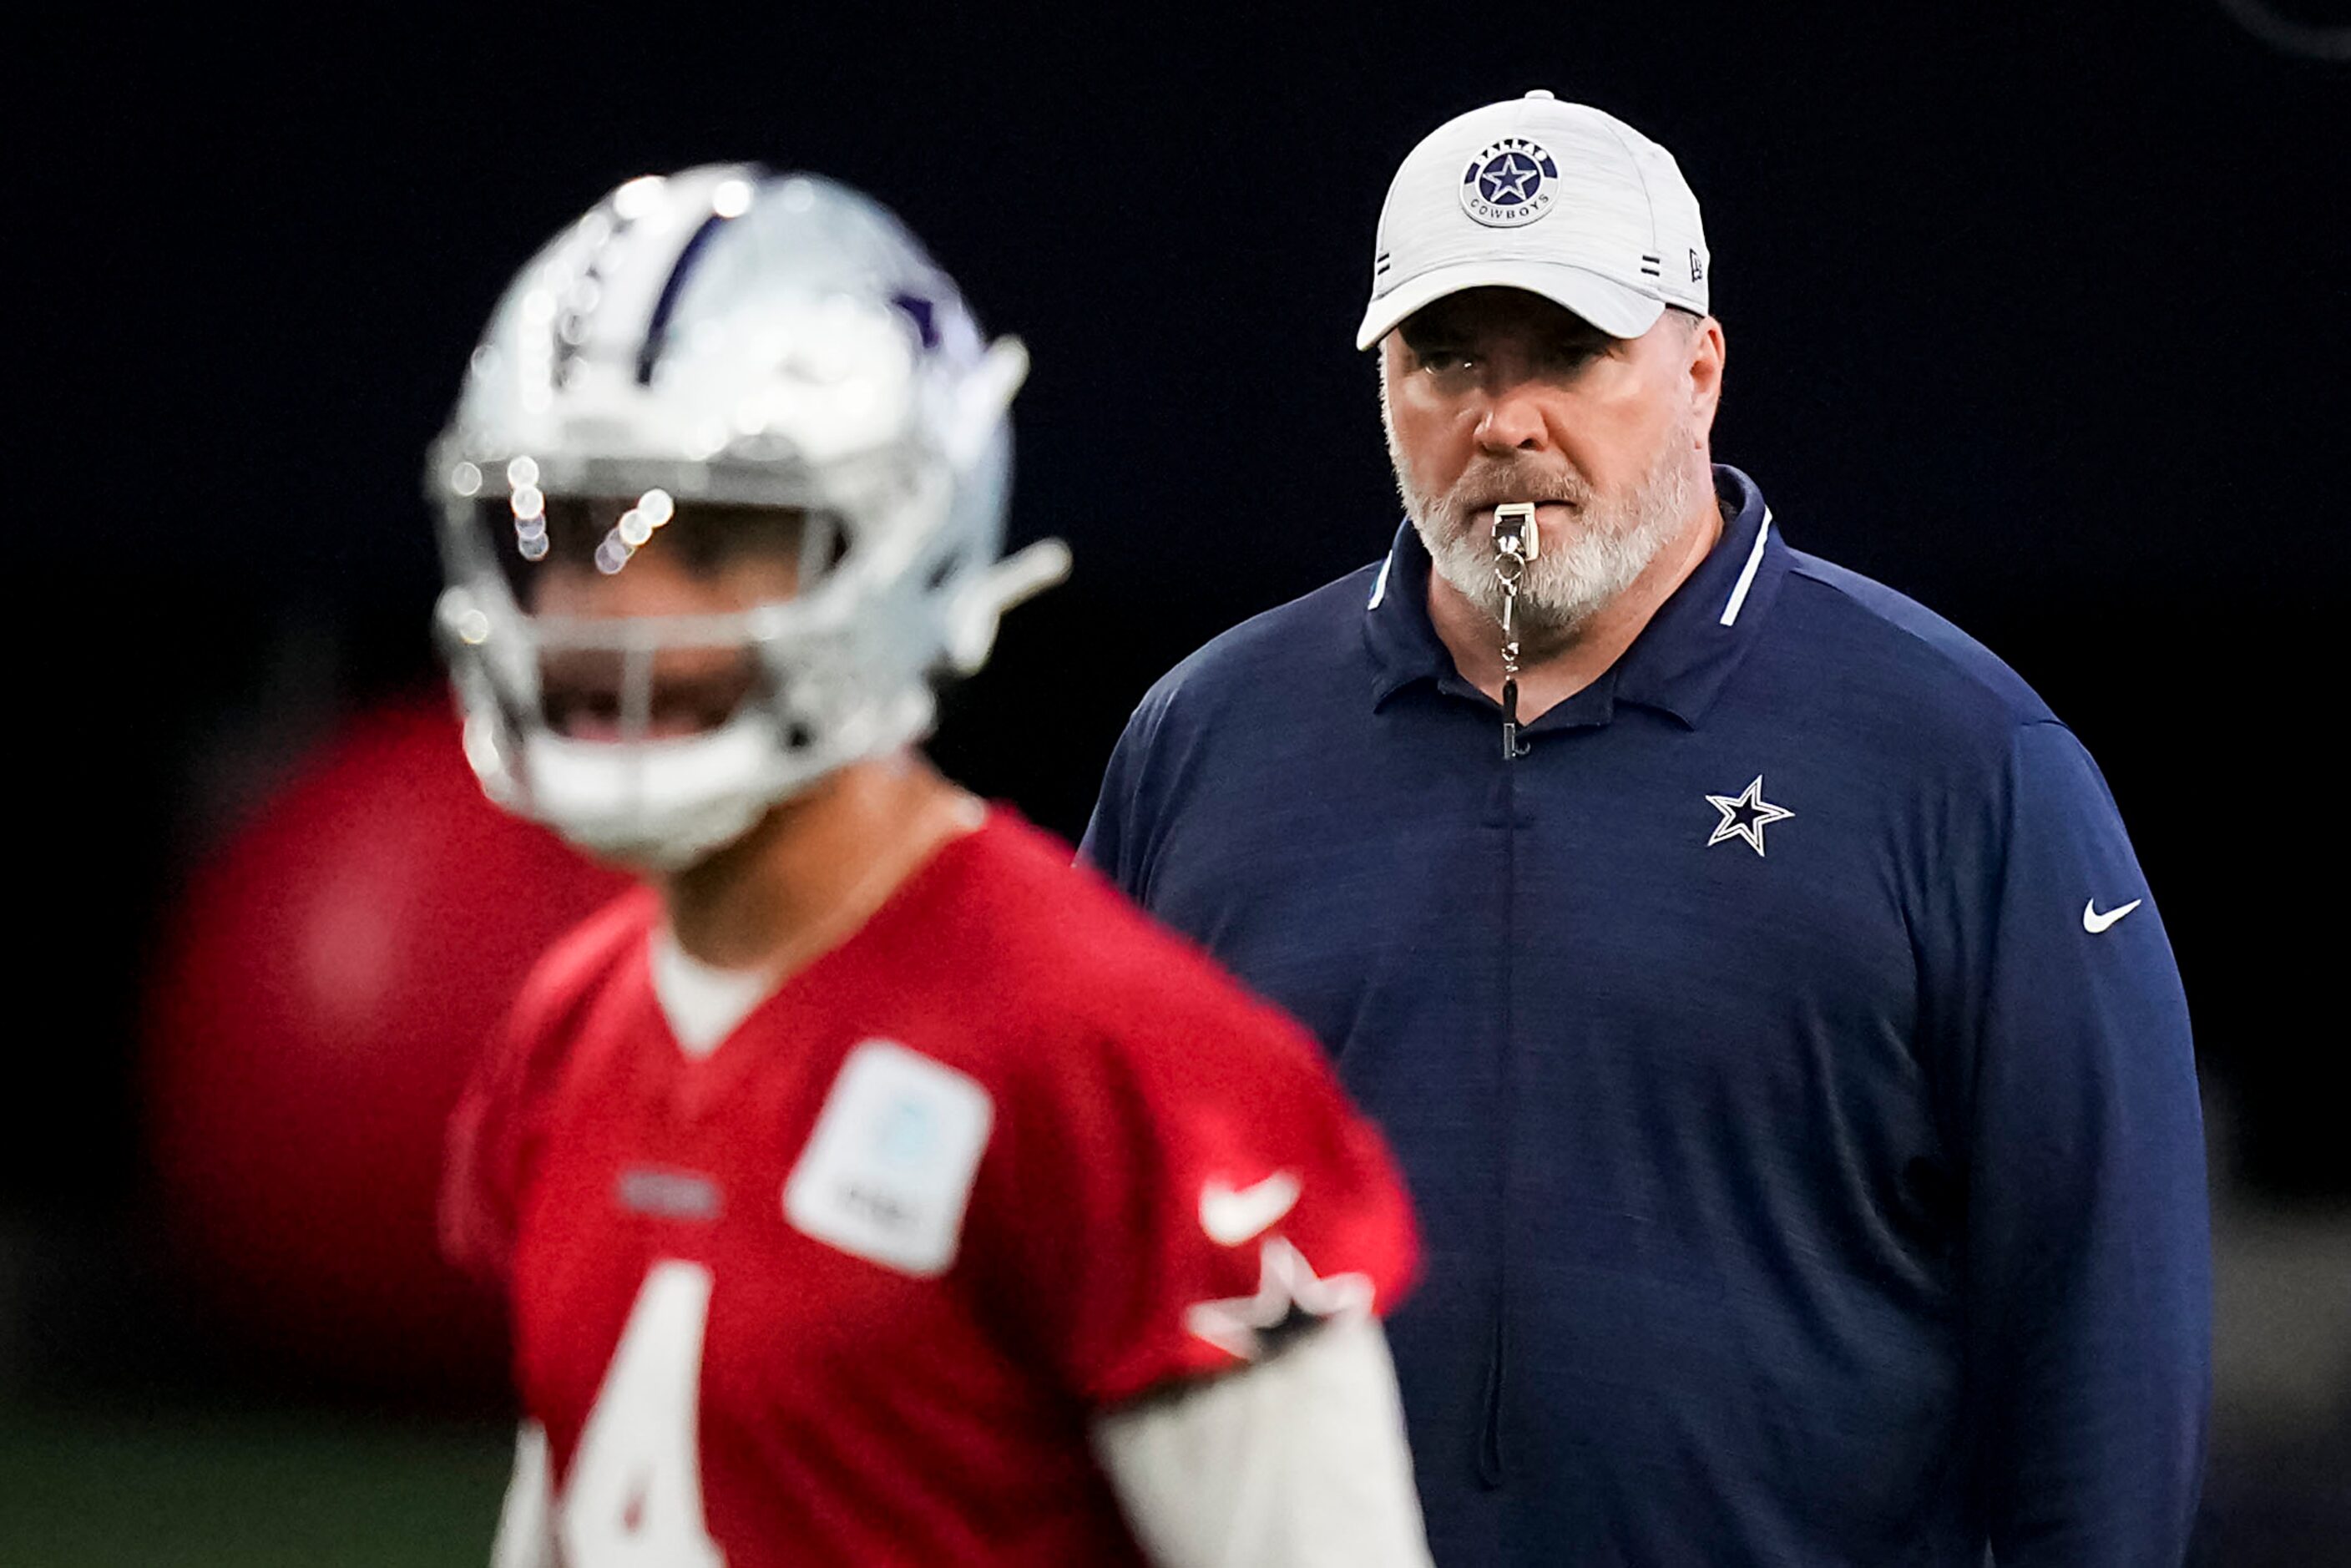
(1492, 1456)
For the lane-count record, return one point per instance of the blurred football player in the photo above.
(872, 1187)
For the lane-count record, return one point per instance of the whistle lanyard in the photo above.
(1516, 542)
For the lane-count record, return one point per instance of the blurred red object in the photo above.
(329, 978)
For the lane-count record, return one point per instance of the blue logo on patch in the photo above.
(1510, 184)
(905, 1133)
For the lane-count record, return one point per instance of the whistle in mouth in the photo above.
(1514, 530)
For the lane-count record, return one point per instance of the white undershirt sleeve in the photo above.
(1298, 1461)
(526, 1535)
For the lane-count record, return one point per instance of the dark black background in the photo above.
(2037, 315)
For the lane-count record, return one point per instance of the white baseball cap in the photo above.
(1555, 198)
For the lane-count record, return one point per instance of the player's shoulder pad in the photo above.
(579, 963)
(1092, 971)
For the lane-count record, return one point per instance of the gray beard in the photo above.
(1577, 572)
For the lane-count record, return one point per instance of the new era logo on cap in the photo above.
(1556, 198)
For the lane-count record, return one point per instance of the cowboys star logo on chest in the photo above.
(1745, 816)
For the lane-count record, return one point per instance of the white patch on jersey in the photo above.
(889, 1169)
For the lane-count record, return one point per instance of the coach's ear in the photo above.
(1706, 355)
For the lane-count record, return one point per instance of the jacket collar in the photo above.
(1676, 665)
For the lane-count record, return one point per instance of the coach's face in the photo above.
(1494, 395)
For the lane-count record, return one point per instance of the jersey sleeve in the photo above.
(494, 1127)
(2088, 1255)
(1298, 1462)
(482, 1164)
(1176, 1195)
(491, 1134)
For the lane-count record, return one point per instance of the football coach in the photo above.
(1753, 975)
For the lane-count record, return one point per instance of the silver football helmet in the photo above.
(699, 354)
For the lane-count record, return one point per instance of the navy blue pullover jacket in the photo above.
(1786, 1055)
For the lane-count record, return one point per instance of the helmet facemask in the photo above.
(648, 687)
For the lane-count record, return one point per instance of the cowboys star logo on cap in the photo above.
(1561, 200)
(1508, 184)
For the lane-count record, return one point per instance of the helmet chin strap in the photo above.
(664, 804)
(660, 804)
(683, 847)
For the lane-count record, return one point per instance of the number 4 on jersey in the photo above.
(633, 1498)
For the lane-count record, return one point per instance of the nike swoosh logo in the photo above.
(1231, 1217)
(2093, 921)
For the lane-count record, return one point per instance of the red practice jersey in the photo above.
(852, 1288)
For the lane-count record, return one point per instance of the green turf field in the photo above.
(209, 1490)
